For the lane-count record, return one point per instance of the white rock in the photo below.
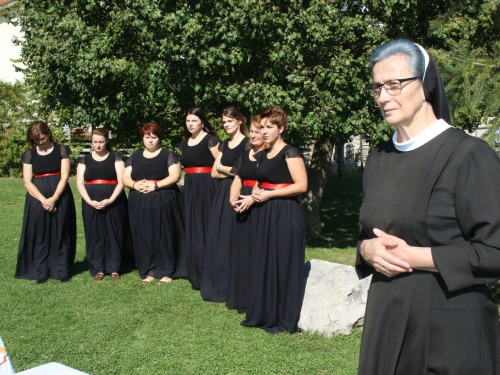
(334, 300)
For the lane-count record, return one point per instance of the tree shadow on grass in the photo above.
(340, 212)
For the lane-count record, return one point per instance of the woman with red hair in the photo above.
(155, 209)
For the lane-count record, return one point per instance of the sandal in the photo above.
(99, 276)
(165, 280)
(115, 276)
(147, 280)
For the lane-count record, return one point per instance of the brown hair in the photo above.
(198, 112)
(103, 133)
(37, 128)
(236, 114)
(276, 116)
(151, 128)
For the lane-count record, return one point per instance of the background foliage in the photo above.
(118, 63)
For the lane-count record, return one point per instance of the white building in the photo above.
(9, 51)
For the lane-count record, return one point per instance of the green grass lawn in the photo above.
(127, 328)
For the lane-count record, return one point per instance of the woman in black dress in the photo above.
(430, 230)
(155, 209)
(48, 237)
(278, 278)
(219, 244)
(245, 227)
(199, 151)
(104, 206)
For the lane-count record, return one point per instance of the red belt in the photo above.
(154, 181)
(198, 170)
(48, 174)
(98, 182)
(249, 182)
(268, 185)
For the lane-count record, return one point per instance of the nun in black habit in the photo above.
(429, 230)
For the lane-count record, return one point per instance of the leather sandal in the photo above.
(115, 276)
(99, 276)
(147, 280)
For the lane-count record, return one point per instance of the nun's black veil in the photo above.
(434, 89)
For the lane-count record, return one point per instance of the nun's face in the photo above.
(398, 110)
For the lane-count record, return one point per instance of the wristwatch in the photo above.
(156, 187)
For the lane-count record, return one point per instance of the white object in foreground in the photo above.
(52, 368)
(334, 299)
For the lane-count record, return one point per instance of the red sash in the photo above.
(47, 174)
(99, 182)
(268, 185)
(249, 182)
(198, 170)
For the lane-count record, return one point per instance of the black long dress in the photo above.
(156, 219)
(48, 240)
(442, 195)
(219, 243)
(105, 230)
(199, 190)
(278, 280)
(244, 234)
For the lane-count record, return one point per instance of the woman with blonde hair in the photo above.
(245, 227)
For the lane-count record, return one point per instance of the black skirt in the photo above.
(215, 281)
(105, 230)
(157, 228)
(278, 277)
(242, 267)
(47, 245)
(199, 190)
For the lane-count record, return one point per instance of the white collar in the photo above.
(421, 138)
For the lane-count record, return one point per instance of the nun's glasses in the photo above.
(393, 86)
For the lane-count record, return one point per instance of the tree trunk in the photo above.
(340, 158)
(320, 167)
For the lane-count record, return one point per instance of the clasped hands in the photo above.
(144, 186)
(100, 205)
(49, 205)
(261, 195)
(386, 254)
(243, 203)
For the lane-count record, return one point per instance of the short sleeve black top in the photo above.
(151, 169)
(50, 163)
(230, 155)
(100, 170)
(275, 170)
(244, 167)
(198, 155)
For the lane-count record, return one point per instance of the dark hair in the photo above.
(236, 114)
(151, 128)
(35, 129)
(276, 115)
(404, 47)
(198, 112)
(102, 133)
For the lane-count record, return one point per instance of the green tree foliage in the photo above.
(118, 63)
(17, 107)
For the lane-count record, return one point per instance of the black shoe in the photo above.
(41, 281)
(65, 279)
